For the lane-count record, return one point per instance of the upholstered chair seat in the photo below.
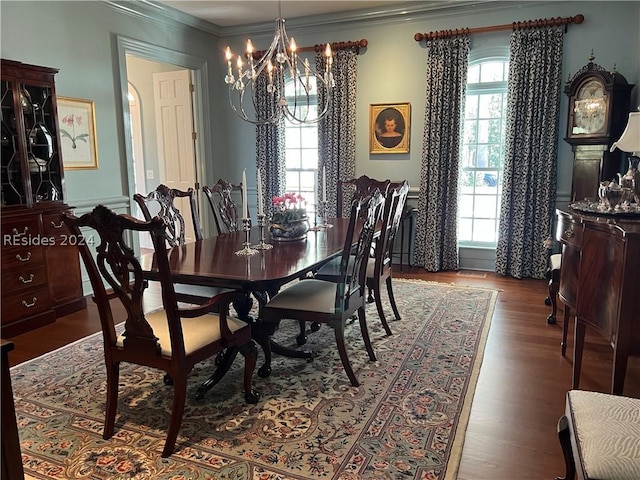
(600, 436)
(197, 332)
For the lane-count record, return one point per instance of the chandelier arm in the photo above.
(283, 69)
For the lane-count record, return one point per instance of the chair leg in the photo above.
(301, 339)
(383, 319)
(344, 357)
(565, 328)
(250, 353)
(564, 435)
(177, 410)
(553, 295)
(113, 376)
(365, 334)
(392, 298)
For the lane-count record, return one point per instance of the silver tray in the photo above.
(631, 210)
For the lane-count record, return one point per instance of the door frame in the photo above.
(201, 108)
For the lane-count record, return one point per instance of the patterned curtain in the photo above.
(337, 130)
(436, 239)
(270, 148)
(529, 180)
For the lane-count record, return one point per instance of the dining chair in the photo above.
(333, 303)
(171, 339)
(161, 202)
(224, 209)
(357, 189)
(381, 268)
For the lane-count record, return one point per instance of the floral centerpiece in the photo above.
(289, 220)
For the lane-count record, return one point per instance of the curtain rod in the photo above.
(357, 45)
(541, 23)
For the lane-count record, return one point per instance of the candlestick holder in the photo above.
(315, 227)
(246, 250)
(323, 215)
(261, 224)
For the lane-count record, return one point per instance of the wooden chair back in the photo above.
(357, 189)
(169, 345)
(161, 202)
(224, 209)
(392, 216)
(355, 255)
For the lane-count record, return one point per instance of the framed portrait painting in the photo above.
(77, 126)
(389, 127)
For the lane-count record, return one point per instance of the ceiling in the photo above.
(232, 13)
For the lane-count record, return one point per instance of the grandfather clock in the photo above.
(598, 110)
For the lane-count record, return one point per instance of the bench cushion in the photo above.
(607, 430)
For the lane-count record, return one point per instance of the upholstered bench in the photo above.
(600, 436)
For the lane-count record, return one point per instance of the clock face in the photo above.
(589, 109)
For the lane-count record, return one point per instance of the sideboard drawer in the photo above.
(569, 231)
(27, 255)
(26, 277)
(23, 304)
(14, 229)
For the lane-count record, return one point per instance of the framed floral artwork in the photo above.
(389, 127)
(77, 133)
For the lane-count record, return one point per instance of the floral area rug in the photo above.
(405, 421)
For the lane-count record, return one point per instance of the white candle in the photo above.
(244, 194)
(260, 207)
(324, 184)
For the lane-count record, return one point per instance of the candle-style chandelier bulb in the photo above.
(290, 83)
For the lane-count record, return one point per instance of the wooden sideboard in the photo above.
(600, 282)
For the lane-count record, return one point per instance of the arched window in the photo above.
(482, 152)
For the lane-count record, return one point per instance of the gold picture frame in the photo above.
(77, 125)
(389, 127)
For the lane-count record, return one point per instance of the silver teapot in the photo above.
(630, 181)
(611, 194)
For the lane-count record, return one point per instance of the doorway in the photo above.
(144, 170)
(162, 130)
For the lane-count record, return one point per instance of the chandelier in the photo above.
(292, 85)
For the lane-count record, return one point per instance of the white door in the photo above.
(176, 136)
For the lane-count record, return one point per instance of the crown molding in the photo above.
(163, 15)
(391, 13)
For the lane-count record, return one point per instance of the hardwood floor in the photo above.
(521, 388)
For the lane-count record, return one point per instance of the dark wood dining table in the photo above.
(212, 261)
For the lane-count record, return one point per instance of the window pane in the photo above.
(482, 156)
(484, 231)
(466, 181)
(293, 181)
(473, 74)
(483, 131)
(492, 72)
(485, 205)
(465, 207)
(471, 106)
(309, 159)
(309, 137)
(292, 158)
(490, 106)
(468, 155)
(469, 135)
(465, 229)
(292, 137)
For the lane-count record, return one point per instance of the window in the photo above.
(301, 143)
(482, 153)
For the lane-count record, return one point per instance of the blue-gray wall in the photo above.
(79, 38)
